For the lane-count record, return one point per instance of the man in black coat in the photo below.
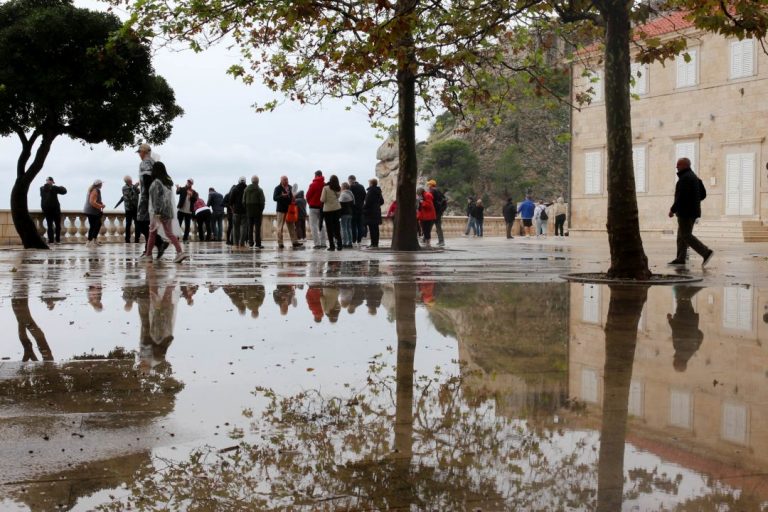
(686, 335)
(358, 228)
(509, 211)
(49, 203)
(689, 192)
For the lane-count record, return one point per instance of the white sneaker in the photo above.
(180, 257)
(145, 257)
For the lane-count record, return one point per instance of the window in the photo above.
(595, 81)
(687, 70)
(640, 77)
(593, 163)
(591, 305)
(742, 58)
(737, 308)
(589, 385)
(734, 424)
(740, 184)
(680, 408)
(687, 149)
(639, 157)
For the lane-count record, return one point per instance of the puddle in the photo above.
(419, 395)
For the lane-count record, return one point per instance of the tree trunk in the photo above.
(22, 221)
(405, 235)
(628, 259)
(624, 312)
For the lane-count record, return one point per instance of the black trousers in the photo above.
(254, 229)
(426, 229)
(130, 218)
(53, 221)
(94, 225)
(230, 225)
(559, 223)
(373, 232)
(185, 221)
(333, 225)
(686, 239)
(358, 228)
(204, 231)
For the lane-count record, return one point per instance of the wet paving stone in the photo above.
(472, 379)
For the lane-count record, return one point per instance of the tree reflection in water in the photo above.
(25, 323)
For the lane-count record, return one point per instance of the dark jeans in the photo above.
(301, 228)
(53, 221)
(185, 221)
(254, 229)
(479, 226)
(217, 221)
(203, 220)
(240, 224)
(94, 225)
(426, 229)
(333, 225)
(230, 225)
(510, 225)
(373, 231)
(559, 223)
(130, 218)
(439, 229)
(686, 239)
(358, 228)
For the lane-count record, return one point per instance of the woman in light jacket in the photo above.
(559, 211)
(332, 211)
(162, 212)
(94, 209)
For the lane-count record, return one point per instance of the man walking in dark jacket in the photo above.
(216, 202)
(441, 203)
(358, 228)
(130, 201)
(49, 203)
(689, 192)
(239, 218)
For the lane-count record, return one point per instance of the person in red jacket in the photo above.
(426, 214)
(316, 210)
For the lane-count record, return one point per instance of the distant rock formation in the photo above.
(387, 168)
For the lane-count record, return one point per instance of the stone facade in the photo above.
(713, 109)
(387, 167)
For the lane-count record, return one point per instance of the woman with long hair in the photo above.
(94, 209)
(161, 211)
(332, 211)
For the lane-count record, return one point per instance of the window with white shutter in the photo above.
(639, 157)
(740, 184)
(591, 305)
(595, 82)
(742, 58)
(593, 167)
(734, 423)
(589, 385)
(636, 399)
(687, 149)
(687, 70)
(680, 408)
(639, 85)
(737, 308)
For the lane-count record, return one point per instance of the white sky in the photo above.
(218, 139)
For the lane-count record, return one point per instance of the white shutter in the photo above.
(589, 385)
(592, 172)
(732, 172)
(680, 404)
(686, 71)
(591, 304)
(737, 308)
(640, 77)
(636, 399)
(596, 83)
(742, 58)
(639, 159)
(747, 182)
(734, 424)
(687, 150)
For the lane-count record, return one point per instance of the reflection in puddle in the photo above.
(567, 397)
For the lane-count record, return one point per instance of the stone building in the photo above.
(710, 106)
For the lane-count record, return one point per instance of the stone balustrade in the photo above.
(74, 228)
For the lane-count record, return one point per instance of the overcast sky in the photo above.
(218, 139)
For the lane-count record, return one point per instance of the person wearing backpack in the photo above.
(540, 219)
(689, 192)
(441, 204)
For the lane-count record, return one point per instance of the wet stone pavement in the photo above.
(469, 379)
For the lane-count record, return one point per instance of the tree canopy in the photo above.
(71, 71)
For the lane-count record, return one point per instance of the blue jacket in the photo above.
(526, 209)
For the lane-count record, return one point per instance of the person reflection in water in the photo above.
(157, 310)
(330, 301)
(284, 296)
(686, 336)
(314, 294)
(94, 297)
